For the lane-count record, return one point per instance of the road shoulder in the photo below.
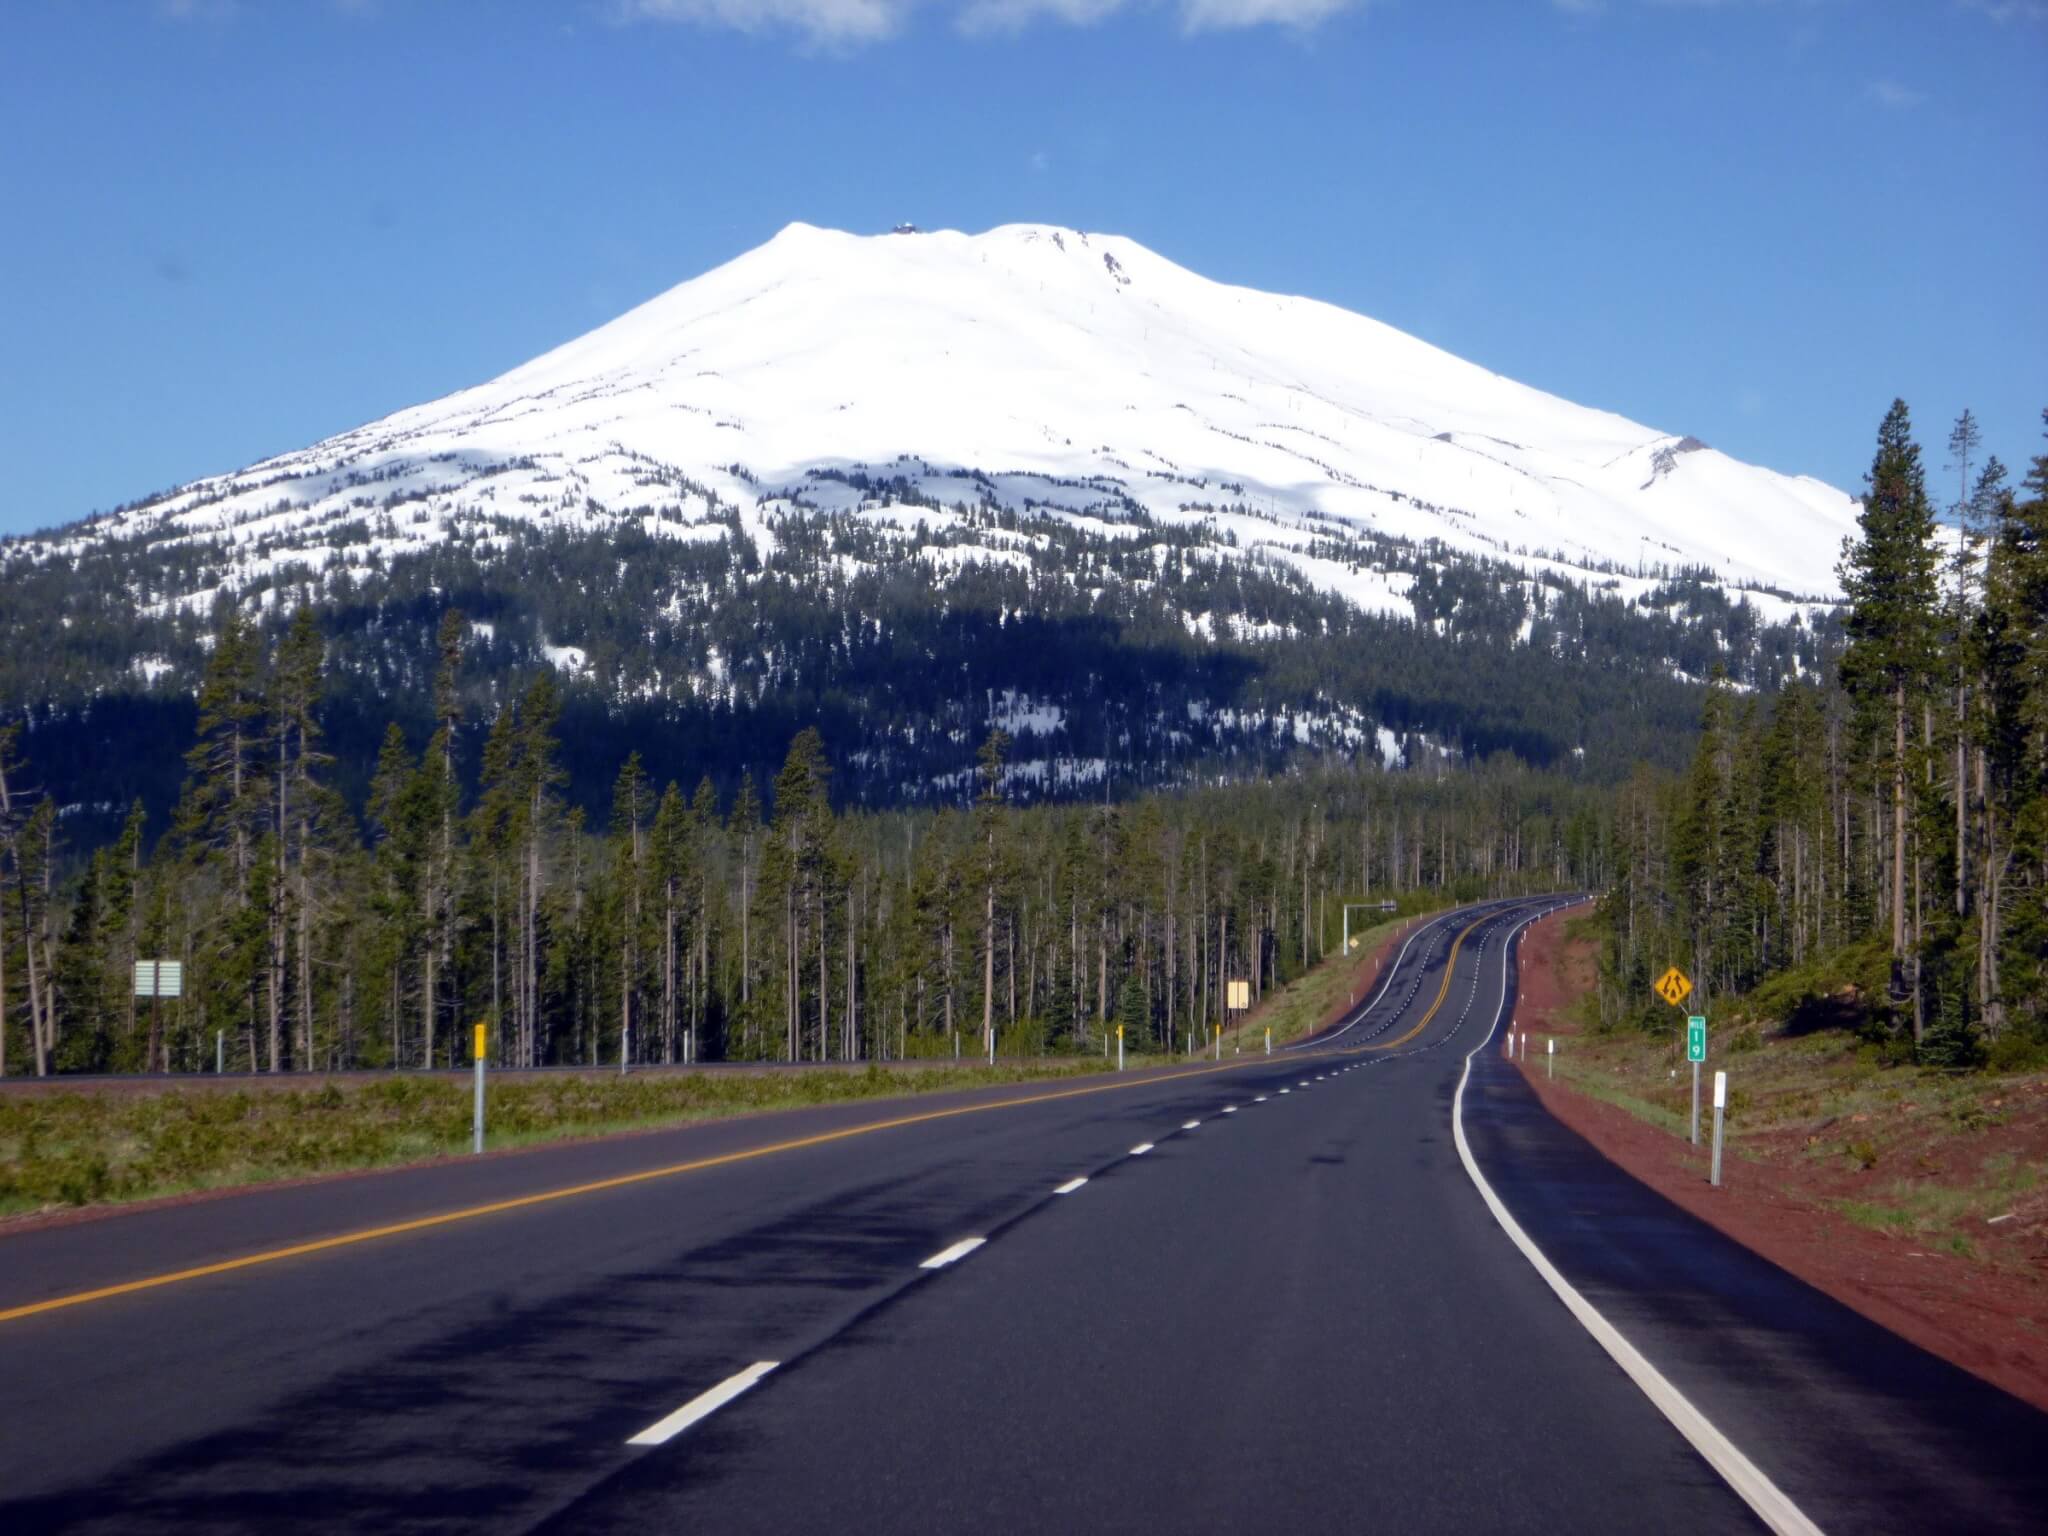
(1990, 1320)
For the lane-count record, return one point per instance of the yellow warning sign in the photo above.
(1673, 987)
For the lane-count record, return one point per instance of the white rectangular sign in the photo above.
(159, 978)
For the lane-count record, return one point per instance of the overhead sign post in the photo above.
(1360, 906)
(1696, 1052)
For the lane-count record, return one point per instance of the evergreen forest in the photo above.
(1854, 825)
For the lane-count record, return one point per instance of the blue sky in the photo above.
(236, 226)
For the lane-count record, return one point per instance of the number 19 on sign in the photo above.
(1696, 1052)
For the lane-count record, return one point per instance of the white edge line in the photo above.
(1071, 1185)
(1375, 1002)
(959, 1250)
(1740, 1473)
(703, 1405)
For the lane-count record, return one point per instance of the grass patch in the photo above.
(1597, 1085)
(82, 1148)
(1309, 999)
(1879, 1218)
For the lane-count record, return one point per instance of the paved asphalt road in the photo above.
(1292, 1311)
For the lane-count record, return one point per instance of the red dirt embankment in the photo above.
(1987, 1314)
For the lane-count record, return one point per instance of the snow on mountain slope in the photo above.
(1038, 369)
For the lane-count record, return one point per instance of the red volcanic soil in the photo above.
(1987, 1314)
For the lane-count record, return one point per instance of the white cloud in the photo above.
(1892, 95)
(1013, 15)
(1205, 15)
(864, 21)
(822, 21)
(2002, 11)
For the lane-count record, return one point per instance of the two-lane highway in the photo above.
(1222, 1296)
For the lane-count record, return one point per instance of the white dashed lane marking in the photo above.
(954, 1254)
(704, 1404)
(1141, 1149)
(1071, 1185)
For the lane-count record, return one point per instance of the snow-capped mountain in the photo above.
(1036, 370)
(917, 486)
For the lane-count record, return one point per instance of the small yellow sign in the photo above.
(479, 1042)
(1674, 987)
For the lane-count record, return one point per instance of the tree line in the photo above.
(770, 924)
(1878, 834)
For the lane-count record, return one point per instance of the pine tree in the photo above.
(802, 844)
(2013, 646)
(220, 829)
(629, 825)
(744, 828)
(1888, 575)
(989, 824)
(444, 804)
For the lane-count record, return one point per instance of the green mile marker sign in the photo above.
(1696, 1038)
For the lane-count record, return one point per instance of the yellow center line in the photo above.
(618, 1181)
(1442, 992)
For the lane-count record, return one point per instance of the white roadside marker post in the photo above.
(1119, 1047)
(1720, 1102)
(1269, 1039)
(991, 1047)
(1550, 1057)
(220, 1052)
(477, 1132)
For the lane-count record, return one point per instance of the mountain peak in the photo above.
(1050, 371)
